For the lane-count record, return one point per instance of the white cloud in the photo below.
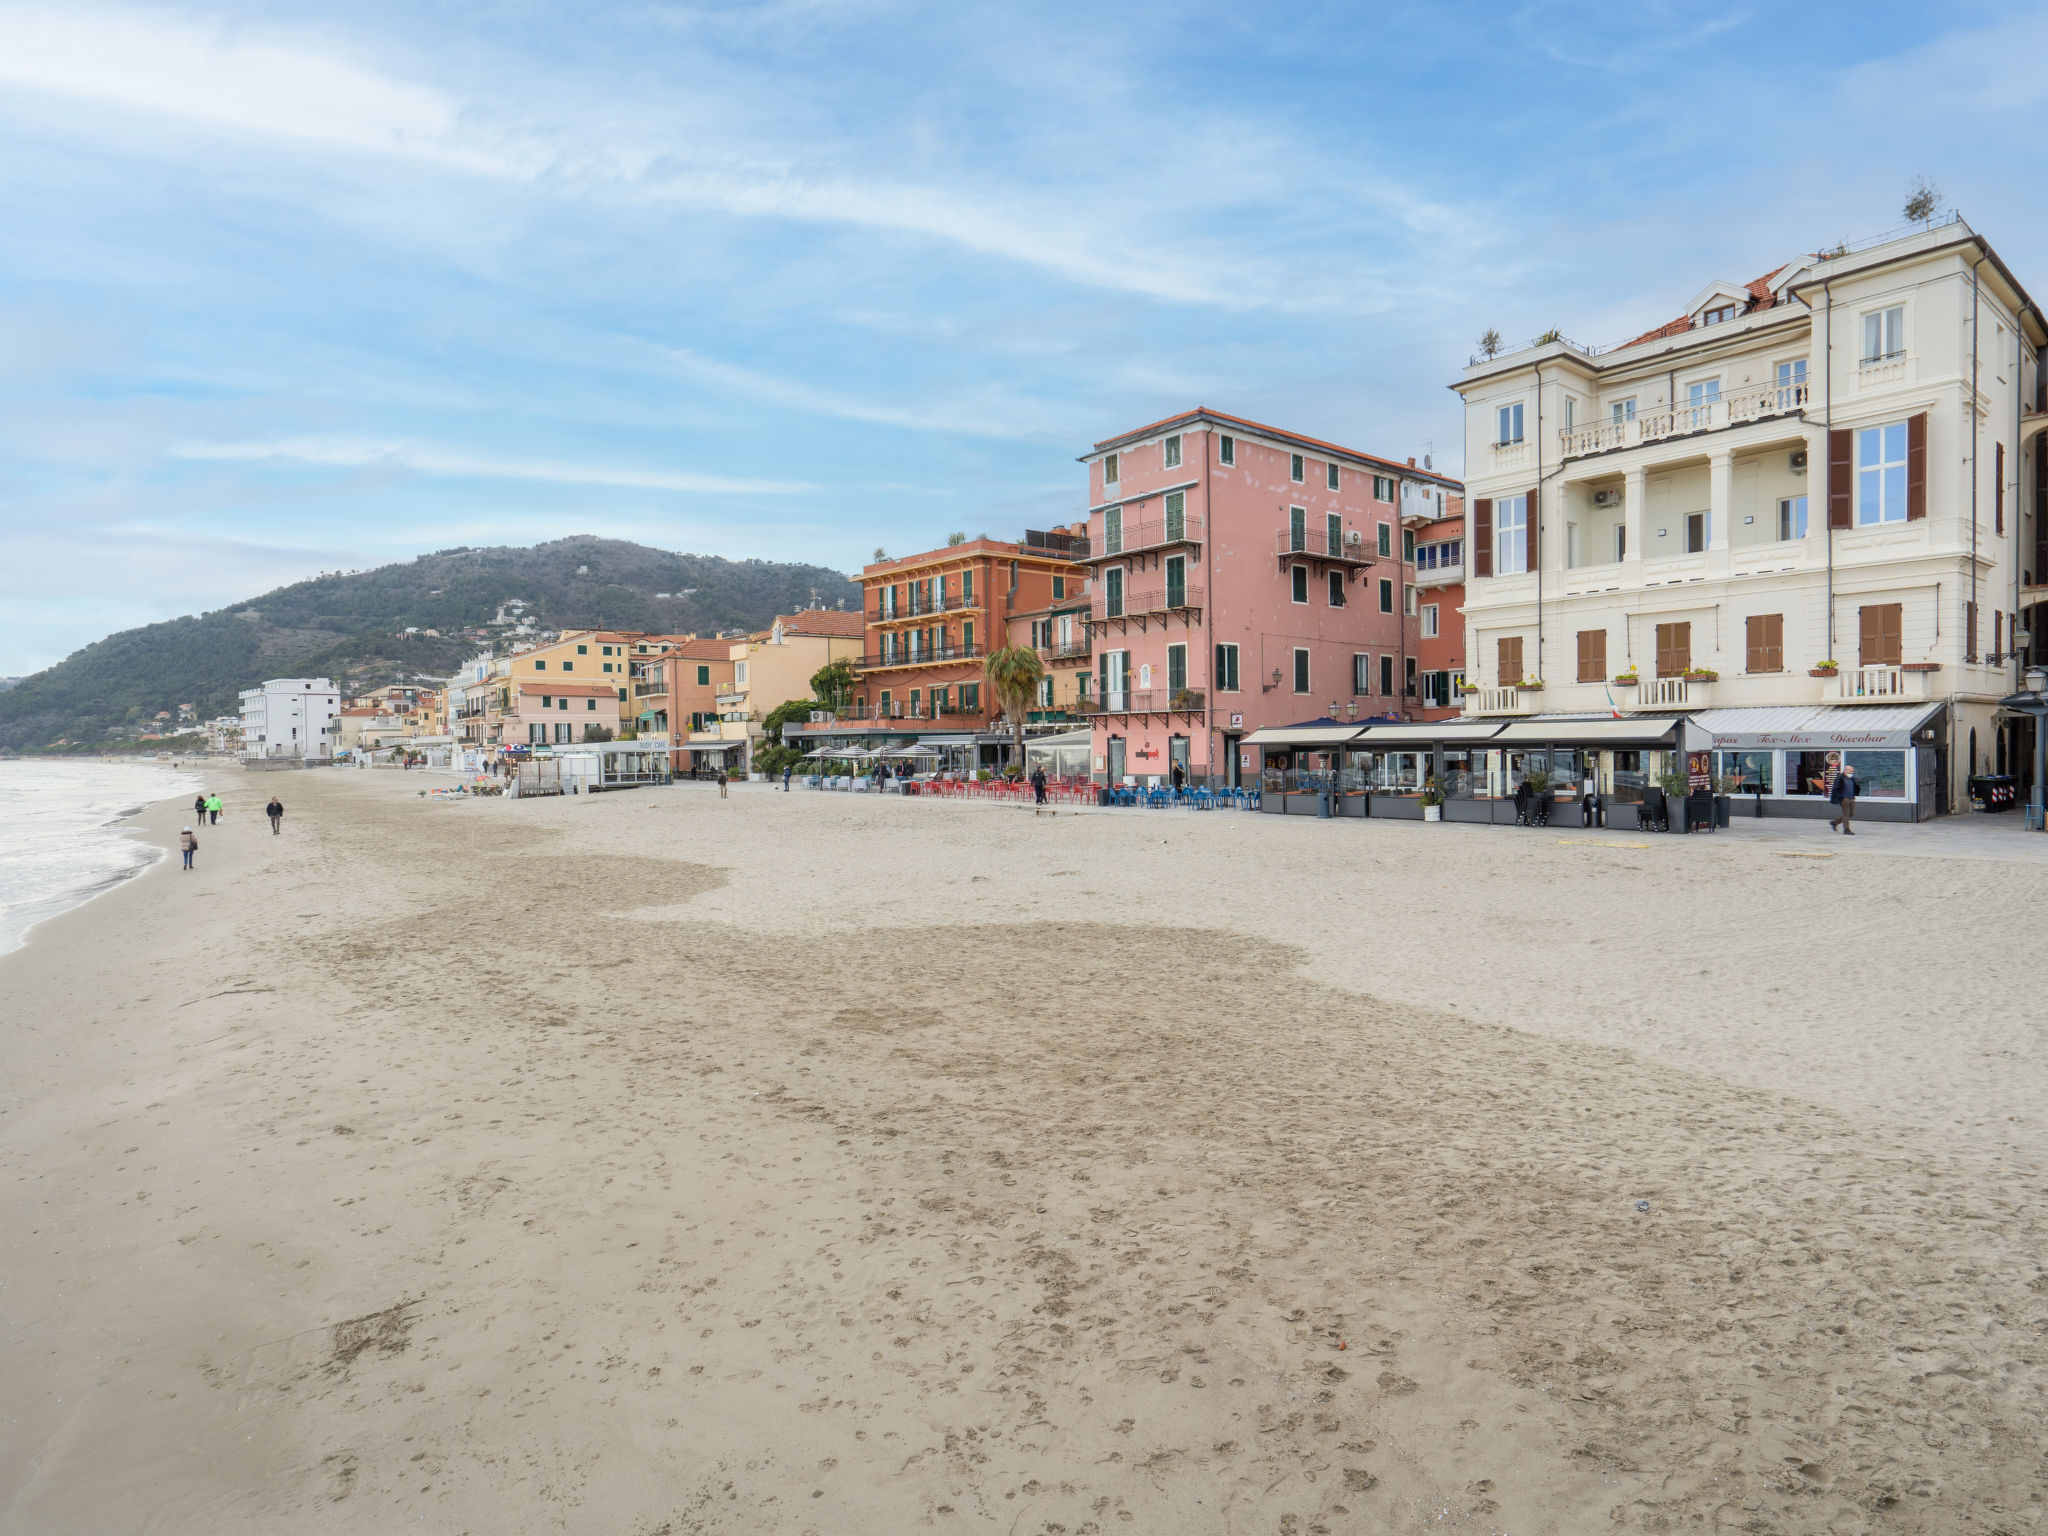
(358, 453)
(999, 419)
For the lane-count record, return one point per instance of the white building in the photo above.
(1816, 490)
(291, 717)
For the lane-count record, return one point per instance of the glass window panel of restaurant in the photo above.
(1879, 775)
(1629, 777)
(1457, 780)
(1567, 772)
(1752, 772)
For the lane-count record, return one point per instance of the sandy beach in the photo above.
(651, 1164)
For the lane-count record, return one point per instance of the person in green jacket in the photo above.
(213, 810)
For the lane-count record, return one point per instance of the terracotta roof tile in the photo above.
(832, 622)
(1202, 411)
(1760, 298)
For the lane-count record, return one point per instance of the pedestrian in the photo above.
(1038, 784)
(1179, 778)
(1589, 798)
(1843, 794)
(275, 811)
(199, 807)
(213, 810)
(721, 784)
(787, 769)
(188, 844)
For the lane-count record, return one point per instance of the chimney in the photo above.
(1411, 461)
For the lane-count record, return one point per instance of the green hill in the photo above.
(367, 628)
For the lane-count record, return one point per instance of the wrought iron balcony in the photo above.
(1145, 533)
(1138, 605)
(933, 656)
(1348, 546)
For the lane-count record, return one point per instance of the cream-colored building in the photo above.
(1834, 463)
(776, 665)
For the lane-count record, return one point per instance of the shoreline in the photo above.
(637, 1193)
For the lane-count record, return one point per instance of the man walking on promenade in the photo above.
(787, 769)
(1038, 784)
(275, 811)
(721, 783)
(188, 844)
(213, 810)
(1843, 794)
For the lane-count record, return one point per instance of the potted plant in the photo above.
(1725, 786)
(1432, 800)
(1531, 685)
(1827, 668)
(1676, 786)
(1468, 687)
(1626, 679)
(1700, 674)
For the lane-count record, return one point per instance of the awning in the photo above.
(1449, 732)
(1301, 736)
(1643, 730)
(1815, 727)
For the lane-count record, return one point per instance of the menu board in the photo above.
(1699, 770)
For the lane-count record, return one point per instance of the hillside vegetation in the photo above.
(353, 627)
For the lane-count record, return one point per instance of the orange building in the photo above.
(1437, 560)
(931, 620)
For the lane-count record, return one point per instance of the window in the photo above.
(1408, 682)
(547, 701)
(1109, 468)
(1295, 471)
(1592, 655)
(1333, 477)
(540, 666)
(1382, 488)
(739, 674)
(1766, 643)
(1336, 589)
(1791, 517)
(1301, 583)
(1333, 527)
(1699, 401)
(1446, 554)
(568, 666)
(1297, 528)
(1429, 621)
(584, 650)
(967, 636)
(1387, 675)
(1059, 588)
(606, 649)
(1621, 541)
(1300, 669)
(1361, 674)
(607, 666)
(1511, 535)
(1879, 628)
(1113, 592)
(1969, 632)
(1386, 538)
(590, 704)
(1623, 412)
(1509, 654)
(1386, 595)
(1173, 452)
(1717, 315)
(1510, 427)
(1792, 384)
(1176, 515)
(1226, 668)
(1044, 693)
(563, 730)
(1881, 475)
(970, 696)
(562, 703)
(1177, 581)
(967, 586)
(1695, 533)
(1674, 649)
(1226, 449)
(1884, 335)
(1176, 671)
(1408, 545)
(536, 734)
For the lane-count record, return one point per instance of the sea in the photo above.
(63, 840)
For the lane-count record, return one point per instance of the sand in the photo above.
(648, 1163)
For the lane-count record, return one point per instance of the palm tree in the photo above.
(1013, 674)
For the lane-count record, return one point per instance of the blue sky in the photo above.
(288, 287)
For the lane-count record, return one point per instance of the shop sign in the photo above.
(1699, 770)
(1237, 724)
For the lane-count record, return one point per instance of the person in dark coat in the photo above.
(1038, 785)
(1842, 794)
(275, 811)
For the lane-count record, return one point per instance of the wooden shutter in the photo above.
(1592, 655)
(1674, 649)
(1510, 660)
(1998, 490)
(1879, 639)
(1534, 522)
(1841, 478)
(1969, 631)
(1482, 536)
(1766, 643)
(1916, 466)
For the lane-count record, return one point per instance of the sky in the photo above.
(289, 287)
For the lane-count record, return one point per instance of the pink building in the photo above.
(1242, 576)
(544, 714)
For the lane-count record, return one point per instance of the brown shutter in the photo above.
(1841, 479)
(1879, 634)
(1510, 661)
(1674, 649)
(1969, 631)
(1766, 643)
(1482, 536)
(1592, 655)
(1916, 466)
(1535, 522)
(1998, 491)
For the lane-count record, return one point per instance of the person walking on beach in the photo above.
(275, 811)
(721, 783)
(213, 810)
(1843, 794)
(1038, 784)
(199, 807)
(188, 844)
(787, 769)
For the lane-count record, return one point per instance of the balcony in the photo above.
(1758, 403)
(1876, 685)
(1349, 547)
(1146, 701)
(1502, 701)
(1439, 576)
(1671, 693)
(1151, 603)
(1067, 650)
(935, 656)
(654, 689)
(1148, 533)
(922, 607)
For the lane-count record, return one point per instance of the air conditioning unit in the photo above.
(1798, 461)
(1354, 537)
(1606, 498)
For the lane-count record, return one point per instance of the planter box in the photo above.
(1468, 810)
(1567, 813)
(1823, 671)
(1432, 813)
(1398, 807)
(1354, 804)
(1626, 682)
(1624, 818)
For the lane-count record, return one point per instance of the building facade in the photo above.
(1436, 562)
(1243, 576)
(775, 666)
(557, 714)
(291, 717)
(1817, 488)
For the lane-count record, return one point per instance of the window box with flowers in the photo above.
(1626, 679)
(1468, 688)
(1920, 666)
(1701, 675)
(1531, 685)
(1823, 669)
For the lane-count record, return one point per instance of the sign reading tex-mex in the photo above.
(1808, 741)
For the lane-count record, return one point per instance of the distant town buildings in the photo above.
(291, 718)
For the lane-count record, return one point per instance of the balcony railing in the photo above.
(1133, 605)
(1061, 650)
(933, 656)
(1502, 701)
(1316, 544)
(1670, 693)
(657, 688)
(1148, 533)
(1756, 403)
(1877, 685)
(923, 607)
(1146, 701)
